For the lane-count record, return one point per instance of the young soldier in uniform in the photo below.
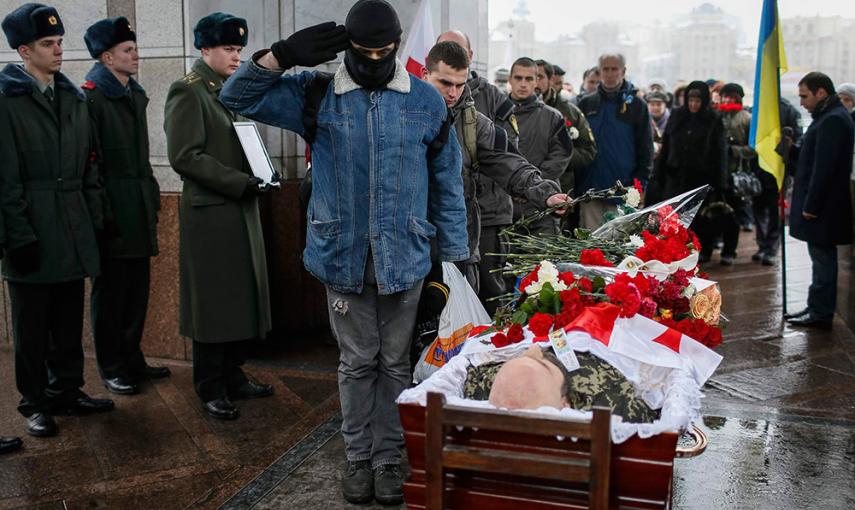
(385, 181)
(496, 207)
(544, 140)
(584, 146)
(485, 148)
(223, 270)
(51, 204)
(117, 105)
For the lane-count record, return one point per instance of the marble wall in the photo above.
(165, 37)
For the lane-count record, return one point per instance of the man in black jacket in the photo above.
(821, 212)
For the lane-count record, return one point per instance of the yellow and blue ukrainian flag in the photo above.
(765, 120)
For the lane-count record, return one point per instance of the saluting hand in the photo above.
(311, 46)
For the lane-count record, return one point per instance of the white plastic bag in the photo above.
(462, 313)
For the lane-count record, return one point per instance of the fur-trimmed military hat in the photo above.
(30, 22)
(105, 34)
(218, 29)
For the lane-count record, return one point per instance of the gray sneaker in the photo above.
(357, 484)
(389, 485)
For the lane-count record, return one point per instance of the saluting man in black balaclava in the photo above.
(386, 181)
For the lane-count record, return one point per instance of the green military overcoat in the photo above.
(49, 185)
(223, 269)
(132, 195)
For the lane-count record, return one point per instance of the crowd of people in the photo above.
(407, 172)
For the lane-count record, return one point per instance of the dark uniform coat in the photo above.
(584, 145)
(132, 195)
(49, 189)
(497, 209)
(821, 186)
(497, 160)
(224, 288)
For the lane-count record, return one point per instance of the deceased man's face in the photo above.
(530, 381)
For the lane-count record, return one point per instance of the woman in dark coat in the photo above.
(694, 154)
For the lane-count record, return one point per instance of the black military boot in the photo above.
(389, 484)
(357, 484)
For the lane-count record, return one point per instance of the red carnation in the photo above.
(637, 185)
(567, 277)
(500, 340)
(594, 257)
(648, 308)
(515, 333)
(529, 279)
(540, 324)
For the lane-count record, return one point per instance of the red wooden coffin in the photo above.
(640, 476)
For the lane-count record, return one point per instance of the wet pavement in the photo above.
(779, 414)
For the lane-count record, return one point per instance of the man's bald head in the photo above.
(531, 381)
(458, 37)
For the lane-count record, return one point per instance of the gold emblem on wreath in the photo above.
(241, 31)
(52, 20)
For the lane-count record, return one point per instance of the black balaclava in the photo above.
(372, 24)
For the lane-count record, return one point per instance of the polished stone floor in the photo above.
(779, 412)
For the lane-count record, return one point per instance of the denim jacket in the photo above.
(372, 183)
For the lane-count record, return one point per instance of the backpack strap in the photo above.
(315, 92)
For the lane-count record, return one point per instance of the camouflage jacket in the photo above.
(594, 383)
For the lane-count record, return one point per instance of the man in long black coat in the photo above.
(821, 212)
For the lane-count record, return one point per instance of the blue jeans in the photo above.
(822, 294)
(374, 332)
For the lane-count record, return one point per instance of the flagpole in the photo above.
(783, 203)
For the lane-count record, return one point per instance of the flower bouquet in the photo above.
(642, 261)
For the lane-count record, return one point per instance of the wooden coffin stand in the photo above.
(471, 459)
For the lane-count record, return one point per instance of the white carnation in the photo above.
(632, 197)
(636, 241)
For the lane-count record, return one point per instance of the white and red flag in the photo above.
(599, 328)
(420, 39)
(650, 342)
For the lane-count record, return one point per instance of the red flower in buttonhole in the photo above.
(500, 340)
(529, 279)
(594, 257)
(515, 333)
(540, 324)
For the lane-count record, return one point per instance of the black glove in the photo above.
(25, 259)
(311, 46)
(434, 294)
(254, 188)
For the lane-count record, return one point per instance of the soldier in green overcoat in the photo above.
(51, 204)
(117, 107)
(223, 271)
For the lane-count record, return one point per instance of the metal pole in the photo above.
(782, 202)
